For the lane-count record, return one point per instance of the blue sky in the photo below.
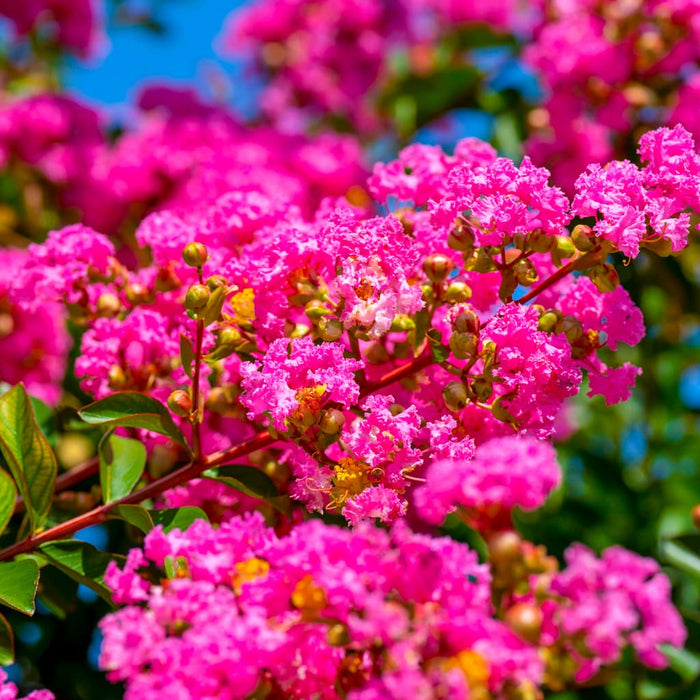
(183, 54)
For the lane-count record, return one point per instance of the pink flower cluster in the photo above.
(323, 612)
(632, 205)
(327, 58)
(608, 603)
(506, 472)
(34, 343)
(610, 68)
(76, 24)
(8, 691)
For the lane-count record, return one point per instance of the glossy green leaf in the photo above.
(252, 482)
(177, 518)
(132, 410)
(137, 516)
(28, 454)
(82, 562)
(683, 553)
(7, 643)
(170, 518)
(440, 352)
(122, 461)
(8, 494)
(186, 354)
(18, 584)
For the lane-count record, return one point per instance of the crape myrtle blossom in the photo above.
(33, 344)
(609, 69)
(608, 603)
(321, 612)
(8, 691)
(76, 24)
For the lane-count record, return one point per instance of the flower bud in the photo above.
(604, 277)
(461, 237)
(583, 238)
(315, 308)
(329, 328)
(180, 403)
(215, 281)
(525, 619)
(466, 322)
(229, 336)
(482, 388)
(463, 345)
(108, 305)
(548, 320)
(437, 267)
(197, 297)
(525, 272)
(540, 242)
(500, 412)
(138, 294)
(481, 262)
(332, 421)
(116, 378)
(505, 547)
(570, 326)
(195, 254)
(455, 396)
(402, 323)
(457, 293)
(696, 516)
(338, 635)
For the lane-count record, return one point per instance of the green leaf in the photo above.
(82, 562)
(422, 320)
(169, 518)
(7, 643)
(684, 553)
(121, 464)
(133, 410)
(186, 354)
(212, 310)
(683, 661)
(137, 516)
(29, 456)
(58, 592)
(252, 482)
(177, 518)
(440, 351)
(18, 584)
(8, 494)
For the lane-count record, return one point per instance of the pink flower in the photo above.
(295, 377)
(505, 472)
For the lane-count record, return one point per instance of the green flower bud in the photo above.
(455, 396)
(108, 305)
(570, 326)
(583, 238)
(229, 336)
(526, 272)
(548, 320)
(329, 328)
(539, 241)
(402, 323)
(463, 345)
(215, 281)
(180, 403)
(315, 308)
(116, 378)
(332, 421)
(482, 388)
(437, 267)
(338, 635)
(604, 277)
(197, 297)
(461, 237)
(509, 283)
(195, 254)
(525, 619)
(481, 262)
(457, 293)
(466, 322)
